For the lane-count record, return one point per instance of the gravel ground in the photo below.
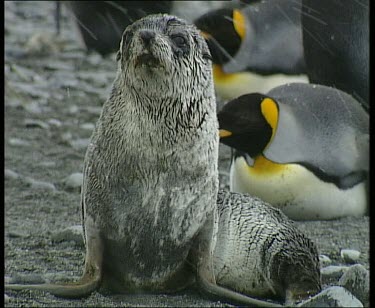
(53, 97)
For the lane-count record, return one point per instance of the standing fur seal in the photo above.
(150, 186)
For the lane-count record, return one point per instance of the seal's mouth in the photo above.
(147, 59)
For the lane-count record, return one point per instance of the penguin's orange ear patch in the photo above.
(224, 133)
(239, 23)
(270, 111)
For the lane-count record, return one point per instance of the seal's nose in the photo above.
(146, 36)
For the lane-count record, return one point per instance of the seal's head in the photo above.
(158, 50)
(296, 270)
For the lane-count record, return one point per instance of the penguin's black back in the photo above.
(336, 45)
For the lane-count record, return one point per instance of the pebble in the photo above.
(26, 279)
(29, 123)
(31, 89)
(74, 180)
(18, 142)
(324, 260)
(40, 184)
(70, 234)
(73, 109)
(42, 44)
(80, 144)
(55, 122)
(357, 281)
(33, 107)
(10, 174)
(47, 164)
(94, 110)
(66, 137)
(332, 297)
(7, 279)
(350, 255)
(332, 273)
(59, 277)
(87, 126)
(16, 234)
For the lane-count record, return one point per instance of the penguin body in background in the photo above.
(101, 23)
(254, 48)
(336, 43)
(304, 148)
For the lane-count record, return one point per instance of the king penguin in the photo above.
(254, 48)
(303, 148)
(336, 40)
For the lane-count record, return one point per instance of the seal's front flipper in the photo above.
(217, 292)
(88, 283)
(203, 258)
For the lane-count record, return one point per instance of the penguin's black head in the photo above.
(224, 30)
(248, 123)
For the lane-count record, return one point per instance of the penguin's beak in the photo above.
(224, 133)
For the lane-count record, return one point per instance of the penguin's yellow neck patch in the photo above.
(220, 76)
(270, 112)
(239, 23)
(263, 166)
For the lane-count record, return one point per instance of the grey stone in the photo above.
(74, 180)
(59, 277)
(350, 255)
(35, 123)
(55, 122)
(87, 126)
(33, 107)
(70, 234)
(94, 110)
(16, 234)
(10, 174)
(73, 109)
(6, 298)
(18, 142)
(47, 164)
(357, 281)
(39, 184)
(7, 279)
(332, 297)
(324, 260)
(80, 144)
(26, 279)
(332, 273)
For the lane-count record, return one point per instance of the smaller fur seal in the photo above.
(260, 253)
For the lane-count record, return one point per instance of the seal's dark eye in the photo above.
(179, 40)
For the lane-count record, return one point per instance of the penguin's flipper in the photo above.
(321, 127)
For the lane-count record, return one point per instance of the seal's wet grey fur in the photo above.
(259, 252)
(150, 183)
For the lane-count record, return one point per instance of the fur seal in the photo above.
(260, 253)
(149, 211)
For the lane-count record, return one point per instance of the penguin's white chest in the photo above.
(297, 191)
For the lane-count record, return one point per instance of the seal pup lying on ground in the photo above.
(260, 253)
(150, 184)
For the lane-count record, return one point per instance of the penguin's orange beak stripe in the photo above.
(224, 133)
(206, 35)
